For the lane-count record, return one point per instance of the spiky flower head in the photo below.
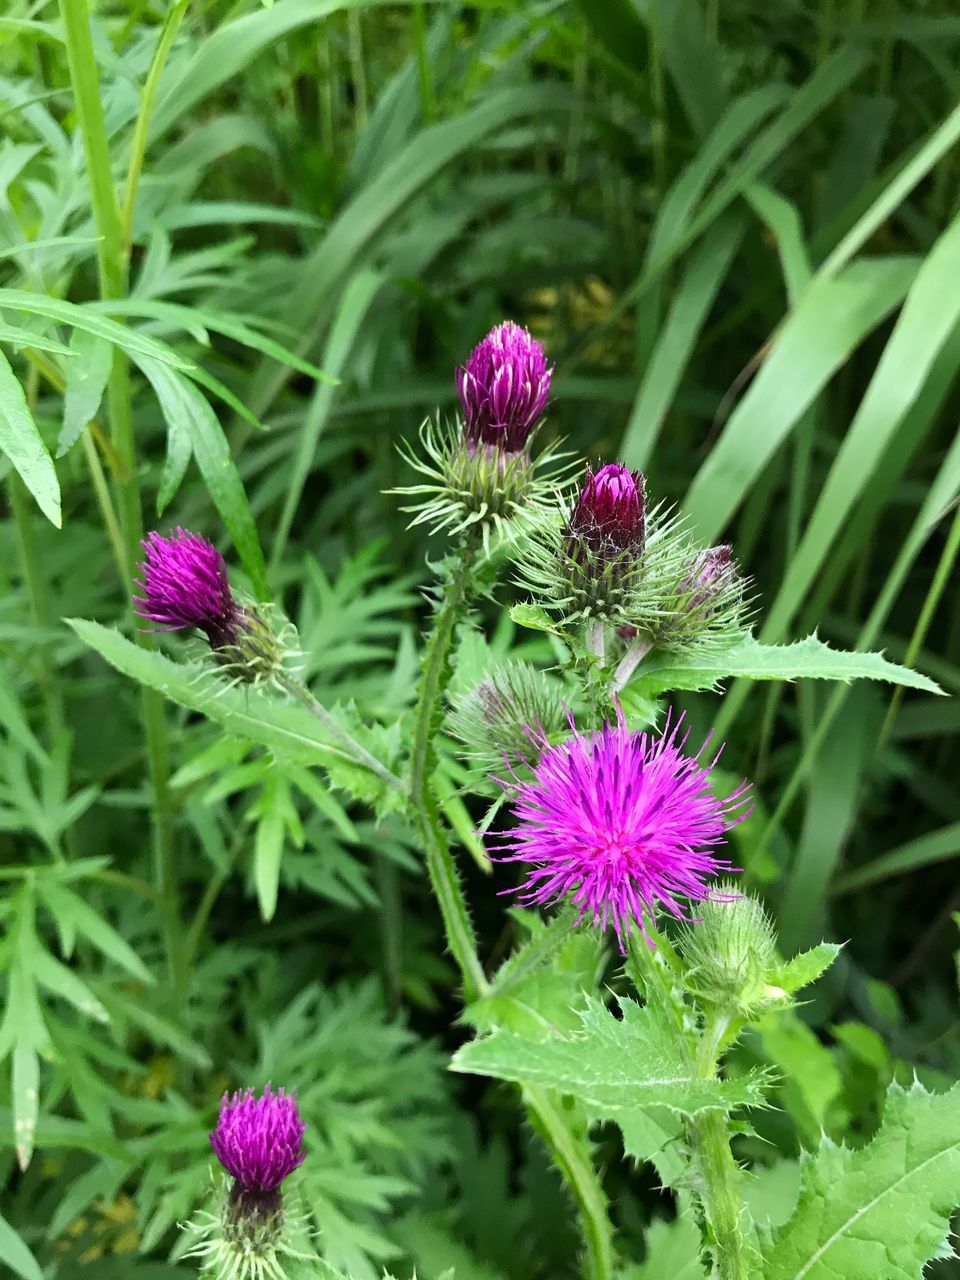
(705, 602)
(594, 561)
(731, 954)
(623, 824)
(504, 388)
(481, 473)
(259, 1141)
(610, 513)
(184, 586)
(491, 719)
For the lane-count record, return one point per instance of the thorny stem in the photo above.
(444, 877)
(719, 1171)
(573, 1160)
(112, 266)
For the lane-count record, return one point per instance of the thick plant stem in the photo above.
(719, 1171)
(112, 267)
(444, 877)
(572, 1157)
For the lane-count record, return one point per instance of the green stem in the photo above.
(573, 1160)
(720, 1173)
(168, 34)
(40, 611)
(112, 266)
(340, 735)
(441, 867)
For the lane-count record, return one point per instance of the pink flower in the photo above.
(611, 510)
(623, 824)
(184, 583)
(259, 1141)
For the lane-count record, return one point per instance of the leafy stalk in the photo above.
(112, 271)
(441, 867)
(719, 1171)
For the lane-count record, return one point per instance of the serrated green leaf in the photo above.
(808, 659)
(673, 1252)
(805, 967)
(533, 617)
(612, 1066)
(883, 1210)
(86, 381)
(22, 443)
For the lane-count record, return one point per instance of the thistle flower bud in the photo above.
(184, 586)
(611, 510)
(731, 953)
(504, 388)
(482, 474)
(702, 600)
(493, 718)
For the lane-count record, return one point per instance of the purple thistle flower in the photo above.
(259, 1141)
(611, 509)
(623, 823)
(503, 388)
(184, 583)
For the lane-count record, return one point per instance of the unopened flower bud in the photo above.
(504, 388)
(611, 510)
(493, 719)
(184, 586)
(700, 599)
(730, 953)
(710, 574)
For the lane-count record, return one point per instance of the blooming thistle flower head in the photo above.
(504, 388)
(481, 473)
(259, 1142)
(621, 823)
(184, 586)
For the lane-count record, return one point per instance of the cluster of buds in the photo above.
(615, 561)
(480, 471)
(184, 586)
(259, 1143)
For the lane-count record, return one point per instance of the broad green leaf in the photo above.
(883, 1210)
(87, 376)
(16, 1255)
(533, 617)
(934, 846)
(56, 977)
(22, 443)
(831, 320)
(612, 1066)
(807, 659)
(184, 405)
(811, 1078)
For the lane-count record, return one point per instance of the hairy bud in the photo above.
(493, 719)
(731, 953)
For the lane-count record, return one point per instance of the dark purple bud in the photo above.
(504, 388)
(708, 576)
(611, 509)
(183, 580)
(259, 1141)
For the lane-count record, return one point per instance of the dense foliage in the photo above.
(244, 250)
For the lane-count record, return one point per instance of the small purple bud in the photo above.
(504, 388)
(709, 573)
(611, 509)
(259, 1141)
(184, 583)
